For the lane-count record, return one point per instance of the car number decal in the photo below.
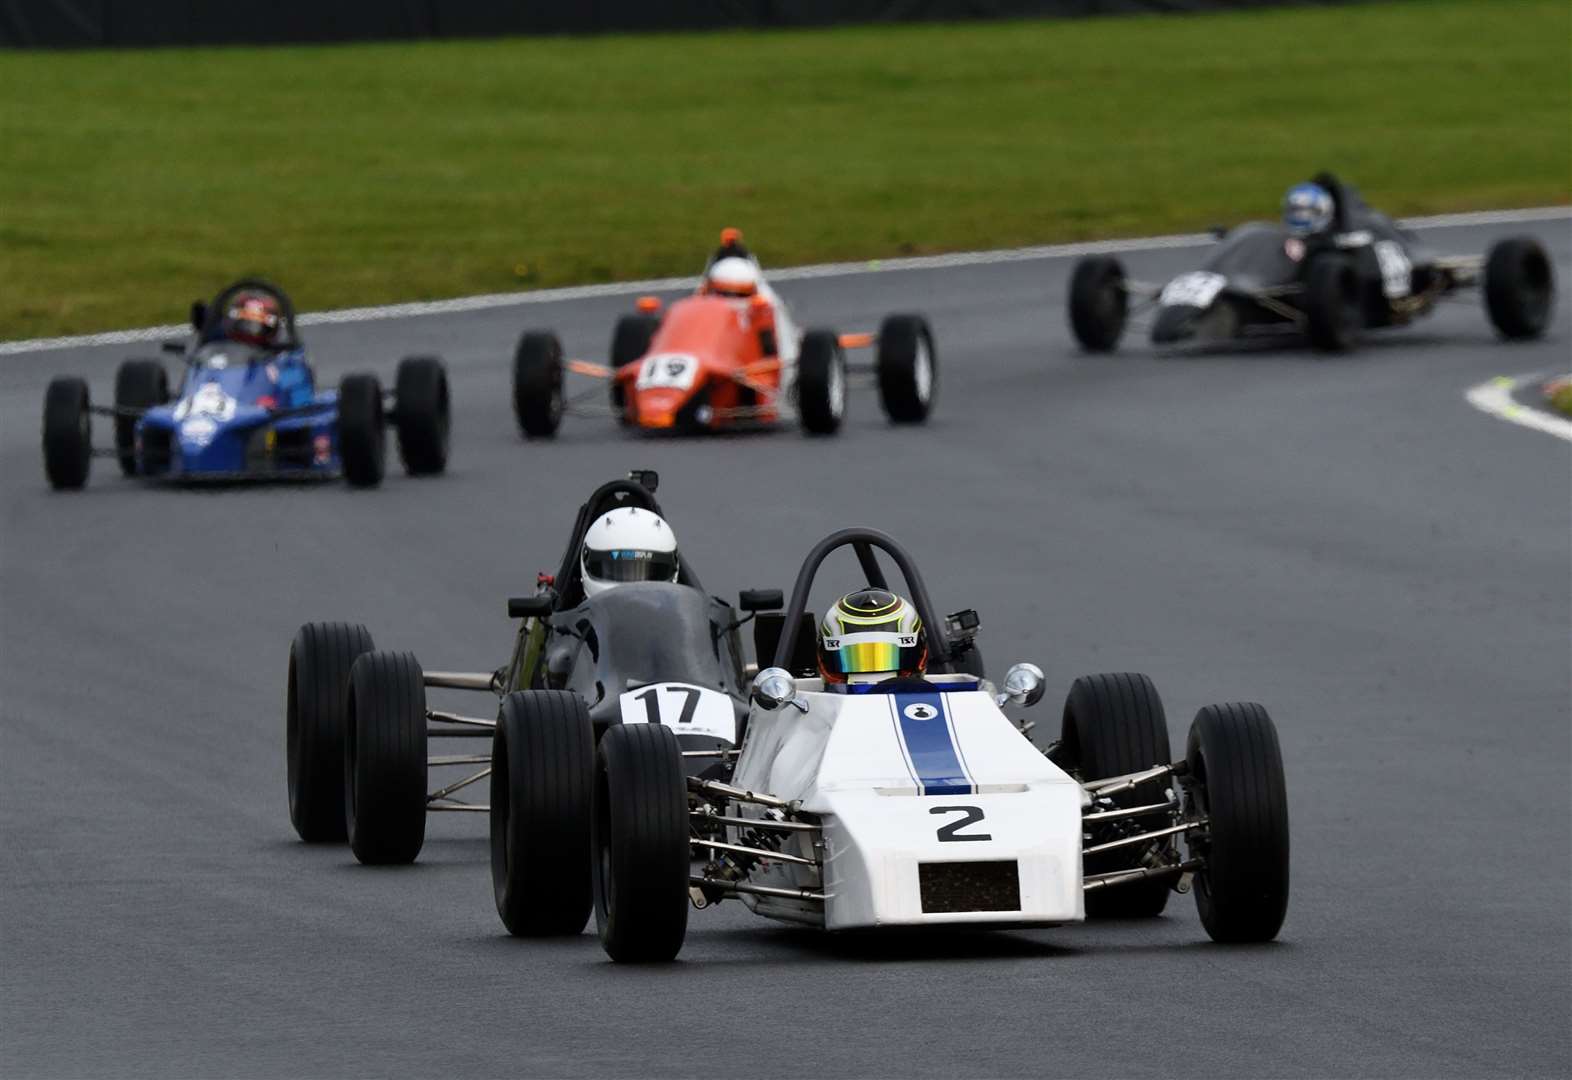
(950, 832)
(667, 371)
(1396, 271)
(686, 709)
(1196, 289)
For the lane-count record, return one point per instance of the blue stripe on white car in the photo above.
(922, 724)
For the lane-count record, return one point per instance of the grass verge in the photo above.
(370, 173)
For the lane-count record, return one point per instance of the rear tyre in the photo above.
(1332, 304)
(1237, 768)
(385, 758)
(537, 385)
(821, 382)
(629, 342)
(314, 707)
(139, 385)
(1115, 724)
(1520, 288)
(542, 802)
(640, 843)
(421, 415)
(68, 434)
(1099, 303)
(362, 433)
(908, 368)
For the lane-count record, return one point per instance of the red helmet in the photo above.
(254, 317)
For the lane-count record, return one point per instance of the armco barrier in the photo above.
(112, 23)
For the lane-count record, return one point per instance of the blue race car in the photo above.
(249, 408)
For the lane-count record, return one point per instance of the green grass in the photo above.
(133, 181)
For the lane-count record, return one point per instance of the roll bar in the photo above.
(863, 541)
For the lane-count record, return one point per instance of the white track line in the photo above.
(1495, 397)
(797, 273)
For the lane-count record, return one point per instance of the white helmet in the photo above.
(732, 276)
(627, 544)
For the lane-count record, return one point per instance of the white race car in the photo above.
(914, 803)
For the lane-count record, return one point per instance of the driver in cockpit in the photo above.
(627, 544)
(871, 636)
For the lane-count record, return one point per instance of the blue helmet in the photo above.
(1307, 209)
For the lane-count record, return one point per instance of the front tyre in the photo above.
(908, 368)
(537, 385)
(319, 661)
(421, 415)
(640, 843)
(1332, 309)
(1099, 303)
(68, 434)
(629, 342)
(385, 758)
(139, 385)
(542, 802)
(1113, 725)
(1236, 768)
(1520, 288)
(362, 433)
(821, 382)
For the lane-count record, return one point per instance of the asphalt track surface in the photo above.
(1345, 540)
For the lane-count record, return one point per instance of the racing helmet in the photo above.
(1307, 209)
(872, 632)
(254, 317)
(732, 276)
(627, 544)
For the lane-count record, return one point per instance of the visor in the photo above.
(860, 654)
(627, 564)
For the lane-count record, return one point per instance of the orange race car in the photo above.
(726, 357)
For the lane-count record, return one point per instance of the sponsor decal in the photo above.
(927, 737)
(322, 449)
(1294, 248)
(198, 430)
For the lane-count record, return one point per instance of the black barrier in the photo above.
(112, 23)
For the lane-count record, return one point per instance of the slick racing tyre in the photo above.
(139, 385)
(385, 758)
(421, 415)
(68, 433)
(362, 434)
(640, 840)
(629, 342)
(821, 382)
(1098, 303)
(537, 385)
(908, 369)
(319, 661)
(1236, 769)
(1332, 303)
(1520, 288)
(542, 801)
(1115, 724)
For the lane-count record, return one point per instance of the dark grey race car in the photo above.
(1366, 273)
(358, 722)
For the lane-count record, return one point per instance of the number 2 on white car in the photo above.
(950, 832)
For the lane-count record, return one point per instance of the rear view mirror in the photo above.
(198, 314)
(178, 348)
(529, 607)
(1217, 232)
(761, 599)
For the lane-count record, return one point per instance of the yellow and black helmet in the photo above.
(872, 631)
